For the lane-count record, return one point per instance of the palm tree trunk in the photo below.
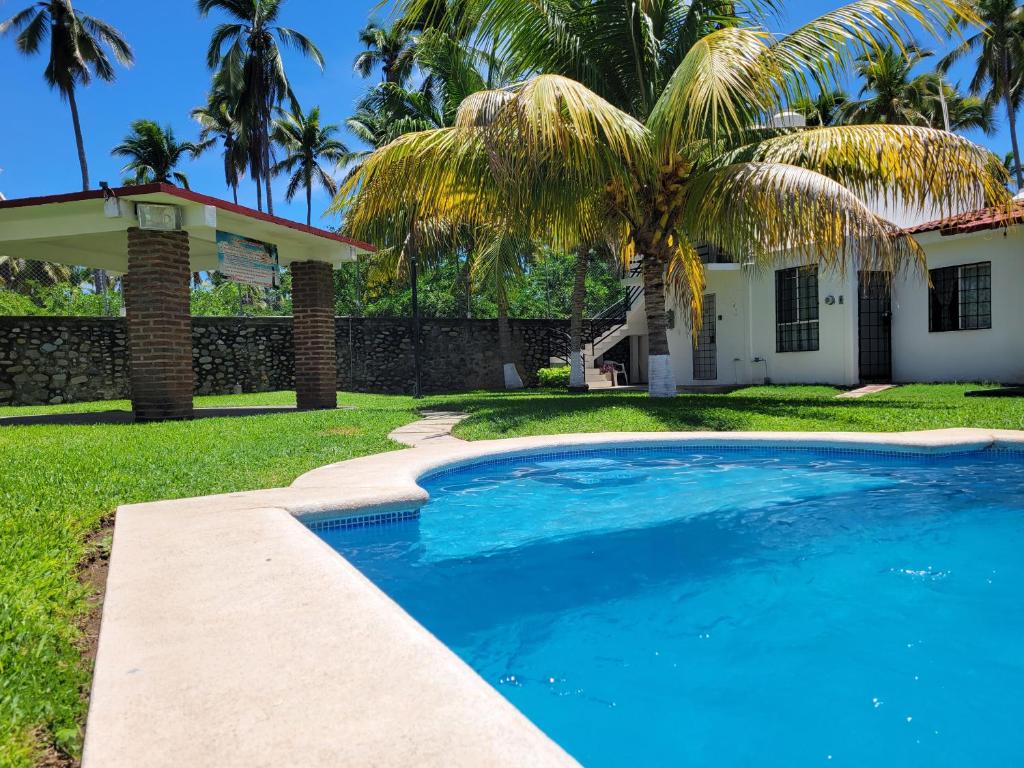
(234, 192)
(512, 378)
(259, 191)
(265, 138)
(661, 378)
(1012, 121)
(309, 203)
(99, 276)
(577, 378)
(78, 139)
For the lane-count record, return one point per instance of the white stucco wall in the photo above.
(995, 354)
(746, 333)
(729, 285)
(834, 362)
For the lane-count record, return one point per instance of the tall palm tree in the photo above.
(78, 52)
(306, 143)
(153, 154)
(685, 159)
(252, 41)
(220, 124)
(392, 48)
(998, 47)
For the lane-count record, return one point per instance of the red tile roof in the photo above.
(974, 221)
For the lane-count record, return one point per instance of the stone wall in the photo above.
(242, 354)
(59, 359)
(62, 359)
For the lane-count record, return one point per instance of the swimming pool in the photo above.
(723, 607)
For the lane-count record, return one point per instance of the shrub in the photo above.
(554, 377)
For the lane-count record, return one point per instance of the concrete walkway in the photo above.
(870, 389)
(435, 427)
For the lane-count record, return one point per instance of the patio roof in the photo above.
(974, 221)
(86, 229)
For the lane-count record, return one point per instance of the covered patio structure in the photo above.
(158, 235)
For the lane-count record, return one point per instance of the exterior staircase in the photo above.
(606, 330)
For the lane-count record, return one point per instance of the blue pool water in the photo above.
(682, 608)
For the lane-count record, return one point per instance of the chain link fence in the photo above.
(41, 288)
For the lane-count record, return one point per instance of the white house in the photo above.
(806, 325)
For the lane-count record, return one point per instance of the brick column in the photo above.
(159, 324)
(316, 364)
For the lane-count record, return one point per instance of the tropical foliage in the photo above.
(892, 94)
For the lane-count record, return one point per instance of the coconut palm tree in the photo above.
(683, 155)
(393, 49)
(253, 40)
(998, 48)
(78, 47)
(306, 143)
(220, 125)
(153, 154)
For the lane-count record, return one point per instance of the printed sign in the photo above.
(247, 261)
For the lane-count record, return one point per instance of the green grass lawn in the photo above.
(59, 482)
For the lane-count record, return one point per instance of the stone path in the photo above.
(870, 389)
(435, 426)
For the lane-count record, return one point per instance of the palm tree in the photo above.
(681, 156)
(306, 143)
(252, 48)
(392, 48)
(999, 64)
(153, 154)
(891, 95)
(219, 124)
(945, 106)
(78, 53)
(498, 263)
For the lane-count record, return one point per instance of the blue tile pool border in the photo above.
(362, 520)
(909, 453)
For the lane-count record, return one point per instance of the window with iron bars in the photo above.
(796, 309)
(960, 298)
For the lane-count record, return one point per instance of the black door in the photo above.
(875, 322)
(705, 354)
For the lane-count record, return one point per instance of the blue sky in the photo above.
(37, 152)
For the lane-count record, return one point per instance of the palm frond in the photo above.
(767, 213)
(717, 92)
(921, 168)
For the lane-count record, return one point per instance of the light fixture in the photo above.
(164, 218)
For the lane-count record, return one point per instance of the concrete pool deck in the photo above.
(233, 636)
